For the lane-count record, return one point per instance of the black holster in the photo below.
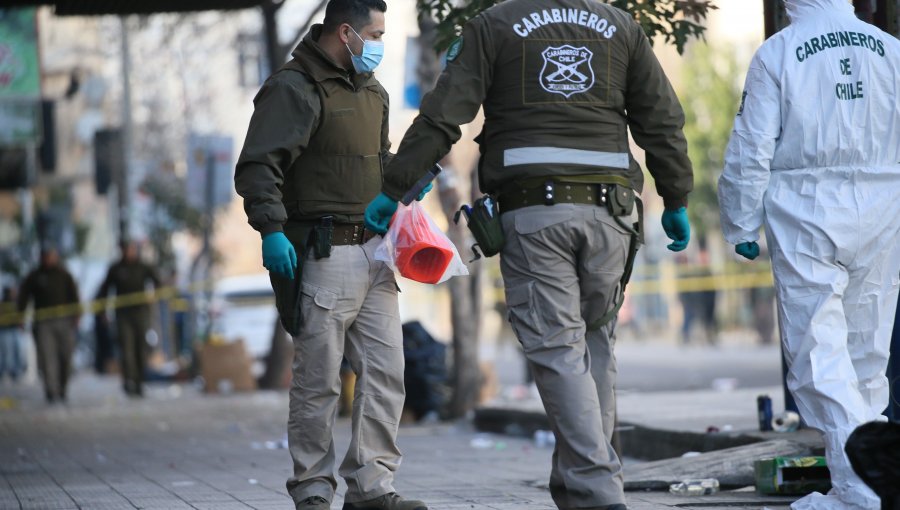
(288, 292)
(323, 238)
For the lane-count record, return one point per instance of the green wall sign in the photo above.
(20, 69)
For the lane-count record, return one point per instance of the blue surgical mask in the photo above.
(372, 53)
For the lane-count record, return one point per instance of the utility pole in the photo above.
(775, 17)
(122, 191)
(865, 9)
(274, 58)
(210, 217)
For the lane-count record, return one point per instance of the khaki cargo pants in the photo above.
(55, 342)
(350, 308)
(561, 267)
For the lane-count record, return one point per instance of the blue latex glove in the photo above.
(747, 250)
(425, 191)
(379, 213)
(279, 255)
(677, 228)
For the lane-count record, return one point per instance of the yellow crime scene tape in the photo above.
(761, 277)
(10, 316)
(732, 281)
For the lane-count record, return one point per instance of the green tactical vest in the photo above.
(340, 171)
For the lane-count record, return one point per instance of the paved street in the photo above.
(179, 449)
(659, 365)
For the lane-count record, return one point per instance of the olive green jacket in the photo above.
(316, 144)
(129, 278)
(47, 287)
(561, 82)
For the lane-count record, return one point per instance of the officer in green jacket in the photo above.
(562, 82)
(128, 279)
(311, 162)
(52, 291)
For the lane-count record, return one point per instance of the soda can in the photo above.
(764, 408)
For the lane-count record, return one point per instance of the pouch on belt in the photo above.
(483, 220)
(620, 201)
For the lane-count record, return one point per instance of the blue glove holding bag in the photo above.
(379, 213)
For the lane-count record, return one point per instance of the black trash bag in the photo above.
(426, 370)
(874, 453)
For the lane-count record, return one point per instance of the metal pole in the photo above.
(27, 238)
(207, 252)
(30, 233)
(774, 17)
(122, 181)
(893, 410)
(865, 10)
(209, 210)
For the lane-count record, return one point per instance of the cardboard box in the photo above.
(792, 475)
(226, 367)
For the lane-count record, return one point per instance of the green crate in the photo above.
(792, 475)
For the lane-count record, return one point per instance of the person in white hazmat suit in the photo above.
(815, 157)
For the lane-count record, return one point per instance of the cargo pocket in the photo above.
(541, 233)
(523, 316)
(316, 305)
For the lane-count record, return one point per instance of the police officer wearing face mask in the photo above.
(562, 82)
(311, 162)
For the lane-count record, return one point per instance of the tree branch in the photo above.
(286, 49)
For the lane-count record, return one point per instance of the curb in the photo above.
(631, 440)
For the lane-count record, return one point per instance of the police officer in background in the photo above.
(561, 82)
(53, 292)
(311, 162)
(128, 279)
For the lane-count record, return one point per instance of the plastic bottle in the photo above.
(544, 439)
(699, 487)
(787, 421)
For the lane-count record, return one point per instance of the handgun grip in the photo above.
(420, 185)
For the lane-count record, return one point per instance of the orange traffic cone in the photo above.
(422, 256)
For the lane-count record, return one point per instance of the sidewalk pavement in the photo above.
(180, 449)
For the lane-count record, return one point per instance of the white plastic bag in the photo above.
(416, 248)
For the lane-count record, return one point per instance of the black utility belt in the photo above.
(350, 233)
(325, 233)
(618, 199)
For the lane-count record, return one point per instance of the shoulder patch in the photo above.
(455, 49)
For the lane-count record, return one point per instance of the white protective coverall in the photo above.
(815, 155)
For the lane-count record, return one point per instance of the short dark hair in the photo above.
(357, 13)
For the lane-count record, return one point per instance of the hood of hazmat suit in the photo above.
(814, 157)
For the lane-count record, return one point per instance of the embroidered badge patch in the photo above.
(567, 70)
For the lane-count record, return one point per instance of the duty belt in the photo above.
(561, 190)
(351, 233)
(551, 193)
